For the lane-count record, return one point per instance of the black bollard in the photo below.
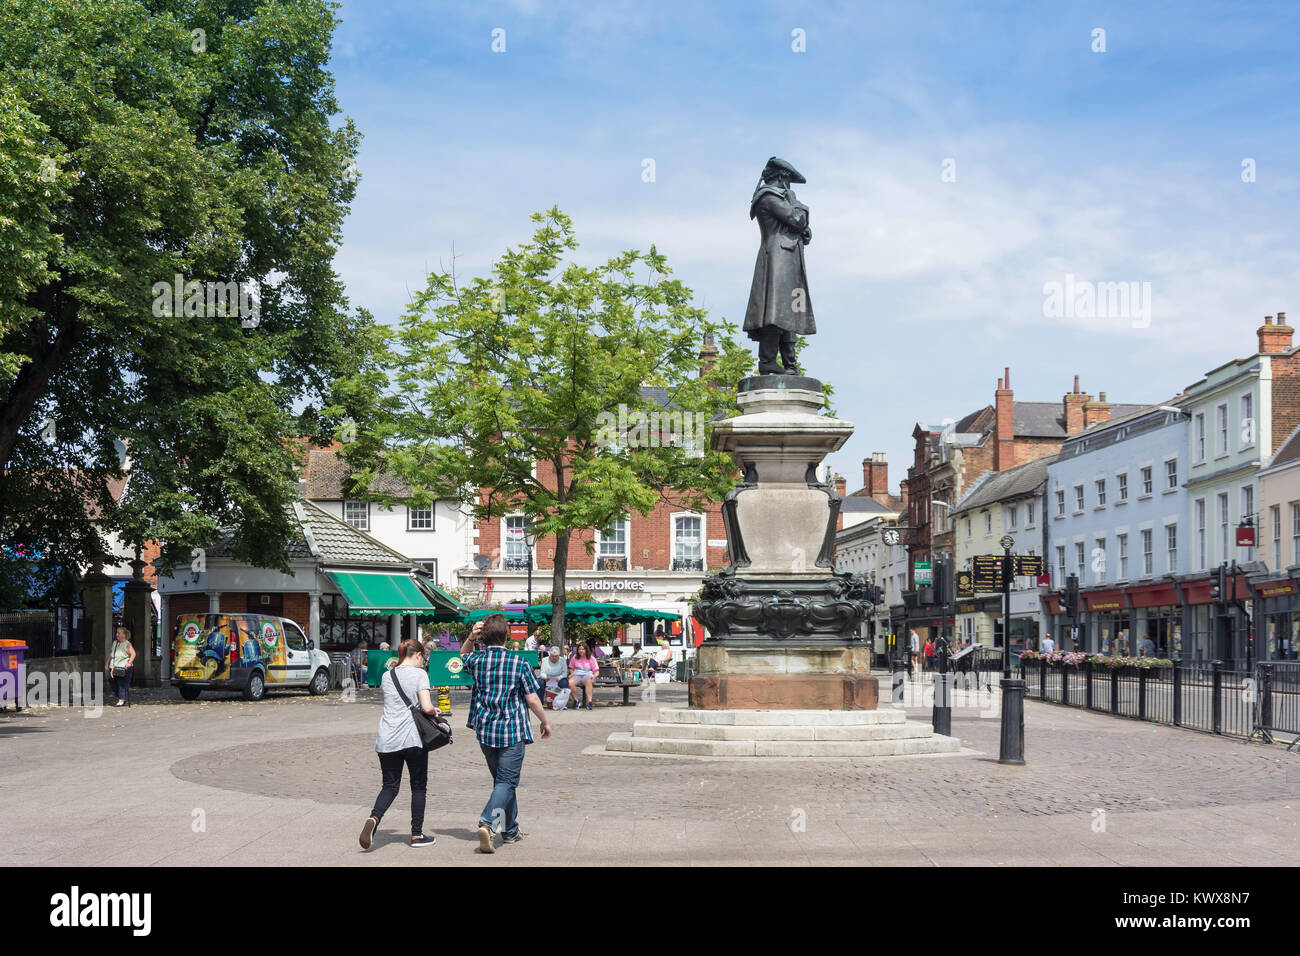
(942, 718)
(1013, 721)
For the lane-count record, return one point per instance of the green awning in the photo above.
(588, 611)
(380, 592)
(443, 606)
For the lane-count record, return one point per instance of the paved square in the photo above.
(290, 780)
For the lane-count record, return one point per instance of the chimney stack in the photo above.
(1098, 411)
(708, 355)
(875, 475)
(1275, 337)
(1004, 426)
(1074, 404)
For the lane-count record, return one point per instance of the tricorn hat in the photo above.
(780, 165)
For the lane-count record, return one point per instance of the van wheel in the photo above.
(320, 683)
(256, 687)
(191, 693)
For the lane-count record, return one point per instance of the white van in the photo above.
(244, 652)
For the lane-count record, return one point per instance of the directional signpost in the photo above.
(1012, 748)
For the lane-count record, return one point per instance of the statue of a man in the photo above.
(779, 306)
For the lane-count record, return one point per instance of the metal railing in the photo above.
(1210, 698)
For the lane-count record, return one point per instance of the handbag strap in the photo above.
(398, 684)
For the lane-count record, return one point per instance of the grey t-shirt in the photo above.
(396, 725)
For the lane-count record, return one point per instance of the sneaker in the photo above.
(367, 831)
(512, 839)
(485, 839)
(589, 705)
(419, 839)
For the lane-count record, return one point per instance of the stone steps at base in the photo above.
(890, 731)
(669, 746)
(778, 718)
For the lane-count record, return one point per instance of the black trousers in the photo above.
(770, 339)
(417, 765)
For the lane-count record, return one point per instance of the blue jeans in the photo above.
(502, 808)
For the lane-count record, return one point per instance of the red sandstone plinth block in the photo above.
(784, 692)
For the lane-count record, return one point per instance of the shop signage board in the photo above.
(1028, 565)
(965, 584)
(921, 572)
(987, 572)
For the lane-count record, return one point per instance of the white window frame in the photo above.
(1221, 430)
(1171, 547)
(674, 537)
(1121, 480)
(1078, 499)
(1225, 519)
(1148, 559)
(1246, 404)
(1198, 438)
(1123, 557)
(521, 554)
(1148, 479)
(627, 543)
(1171, 477)
(1198, 511)
(1101, 492)
(410, 519)
(1275, 517)
(1060, 501)
(366, 517)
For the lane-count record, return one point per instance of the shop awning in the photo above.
(444, 606)
(587, 611)
(381, 592)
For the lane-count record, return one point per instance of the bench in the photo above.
(613, 677)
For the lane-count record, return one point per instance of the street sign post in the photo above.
(1012, 744)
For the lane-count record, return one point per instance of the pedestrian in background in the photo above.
(505, 690)
(120, 664)
(398, 742)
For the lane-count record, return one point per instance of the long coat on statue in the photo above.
(779, 293)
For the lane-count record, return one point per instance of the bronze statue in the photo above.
(779, 305)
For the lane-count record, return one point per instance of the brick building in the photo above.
(949, 459)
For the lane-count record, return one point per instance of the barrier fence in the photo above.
(1208, 697)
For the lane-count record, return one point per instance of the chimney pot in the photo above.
(1007, 376)
(1076, 385)
(1101, 396)
(1281, 318)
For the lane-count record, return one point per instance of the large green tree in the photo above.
(142, 140)
(530, 390)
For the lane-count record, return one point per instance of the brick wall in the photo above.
(1286, 397)
(186, 604)
(650, 538)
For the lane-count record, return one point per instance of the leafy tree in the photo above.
(141, 140)
(503, 393)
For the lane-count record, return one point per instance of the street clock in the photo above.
(891, 536)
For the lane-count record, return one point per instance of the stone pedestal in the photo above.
(814, 677)
(784, 627)
(788, 733)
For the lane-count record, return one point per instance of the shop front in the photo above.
(670, 591)
(1277, 620)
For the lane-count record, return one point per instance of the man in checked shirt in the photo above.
(504, 691)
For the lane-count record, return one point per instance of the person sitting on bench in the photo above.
(554, 670)
(582, 673)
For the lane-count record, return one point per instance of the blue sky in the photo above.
(1117, 166)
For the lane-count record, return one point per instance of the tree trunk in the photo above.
(33, 378)
(558, 574)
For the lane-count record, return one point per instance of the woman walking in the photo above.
(120, 663)
(398, 742)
